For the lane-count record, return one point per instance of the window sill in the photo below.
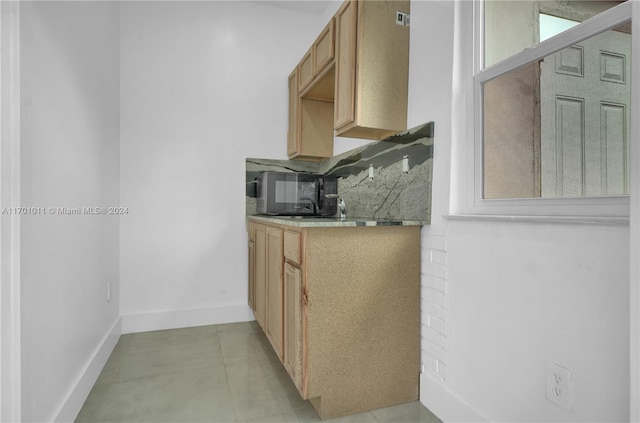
(580, 220)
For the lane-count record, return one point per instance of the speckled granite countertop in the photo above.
(331, 222)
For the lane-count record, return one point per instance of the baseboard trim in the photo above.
(446, 406)
(69, 409)
(174, 319)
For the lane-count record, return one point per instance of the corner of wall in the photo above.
(173, 319)
(69, 409)
(444, 404)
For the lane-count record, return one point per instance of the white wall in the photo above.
(203, 87)
(430, 80)
(69, 158)
(430, 99)
(198, 93)
(502, 298)
(524, 293)
(10, 369)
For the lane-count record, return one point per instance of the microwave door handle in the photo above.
(313, 203)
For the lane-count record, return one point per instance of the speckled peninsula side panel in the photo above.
(363, 318)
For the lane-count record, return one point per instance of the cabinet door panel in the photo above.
(275, 260)
(294, 100)
(292, 246)
(305, 71)
(381, 93)
(260, 276)
(252, 280)
(293, 323)
(323, 48)
(344, 109)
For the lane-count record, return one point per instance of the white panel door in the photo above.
(585, 97)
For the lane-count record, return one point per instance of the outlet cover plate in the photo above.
(559, 385)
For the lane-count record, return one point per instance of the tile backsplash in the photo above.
(392, 193)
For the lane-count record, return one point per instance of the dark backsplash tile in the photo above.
(391, 194)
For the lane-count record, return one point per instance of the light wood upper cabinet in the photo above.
(311, 91)
(294, 101)
(346, 64)
(310, 134)
(371, 70)
(305, 71)
(353, 81)
(318, 60)
(323, 49)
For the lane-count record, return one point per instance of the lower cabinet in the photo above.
(251, 228)
(251, 272)
(260, 275)
(293, 304)
(273, 329)
(341, 308)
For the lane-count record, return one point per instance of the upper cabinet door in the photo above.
(305, 71)
(324, 48)
(353, 82)
(344, 100)
(382, 70)
(294, 100)
(372, 69)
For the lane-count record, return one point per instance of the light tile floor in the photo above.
(220, 373)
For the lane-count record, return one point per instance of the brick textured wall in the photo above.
(434, 309)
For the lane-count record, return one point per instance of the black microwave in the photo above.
(296, 194)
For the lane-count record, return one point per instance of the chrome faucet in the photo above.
(343, 209)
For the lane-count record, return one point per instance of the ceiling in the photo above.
(315, 7)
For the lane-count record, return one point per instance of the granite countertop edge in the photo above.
(333, 222)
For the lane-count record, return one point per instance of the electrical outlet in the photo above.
(559, 385)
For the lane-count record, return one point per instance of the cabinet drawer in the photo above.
(251, 231)
(292, 246)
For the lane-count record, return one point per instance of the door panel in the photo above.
(293, 323)
(260, 276)
(344, 111)
(614, 148)
(570, 146)
(584, 98)
(292, 133)
(275, 259)
(251, 270)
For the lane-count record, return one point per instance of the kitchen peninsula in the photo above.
(341, 307)
(339, 298)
